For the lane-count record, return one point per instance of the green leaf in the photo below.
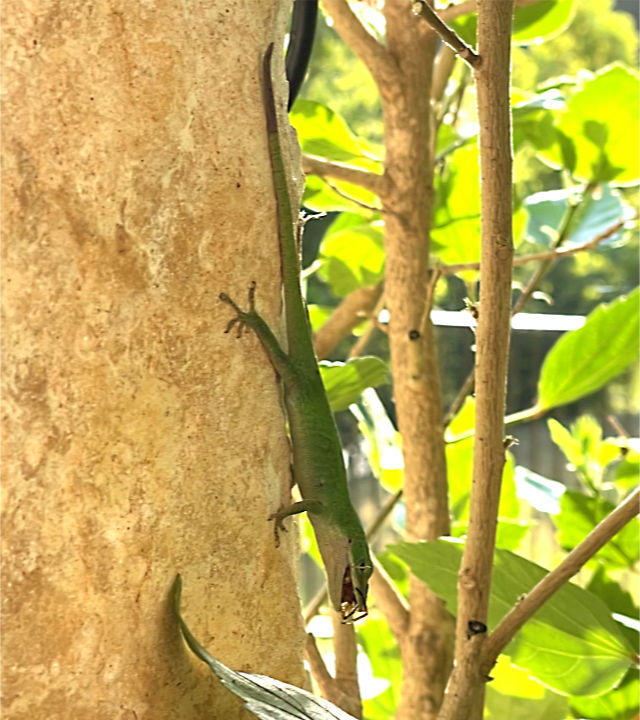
(381, 441)
(602, 120)
(619, 704)
(628, 471)
(323, 133)
(584, 360)
(580, 513)
(570, 446)
(571, 644)
(514, 695)
(352, 257)
(533, 120)
(456, 223)
(541, 21)
(381, 648)
(319, 195)
(345, 382)
(531, 24)
(597, 214)
(265, 697)
(616, 598)
(456, 227)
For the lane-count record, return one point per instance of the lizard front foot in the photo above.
(242, 318)
(278, 517)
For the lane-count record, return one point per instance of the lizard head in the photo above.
(355, 584)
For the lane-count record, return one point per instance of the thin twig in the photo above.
(363, 178)
(359, 345)
(443, 67)
(533, 600)
(555, 254)
(448, 35)
(548, 256)
(389, 600)
(350, 198)
(353, 308)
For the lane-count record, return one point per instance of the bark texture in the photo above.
(139, 439)
(465, 692)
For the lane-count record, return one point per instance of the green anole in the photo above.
(318, 466)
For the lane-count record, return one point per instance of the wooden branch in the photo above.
(350, 198)
(549, 255)
(533, 600)
(361, 343)
(363, 178)
(389, 600)
(448, 35)
(345, 650)
(445, 61)
(373, 54)
(349, 313)
(327, 684)
(464, 698)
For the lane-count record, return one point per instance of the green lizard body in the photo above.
(318, 465)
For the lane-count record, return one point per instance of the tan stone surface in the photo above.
(139, 440)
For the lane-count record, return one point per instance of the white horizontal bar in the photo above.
(521, 321)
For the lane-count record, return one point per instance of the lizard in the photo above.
(318, 465)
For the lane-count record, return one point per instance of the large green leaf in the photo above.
(352, 257)
(323, 133)
(619, 704)
(533, 119)
(335, 195)
(571, 644)
(513, 694)
(265, 697)
(382, 443)
(584, 360)
(597, 214)
(345, 382)
(600, 121)
(456, 226)
(580, 513)
(531, 24)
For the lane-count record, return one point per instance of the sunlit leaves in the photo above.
(531, 24)
(597, 131)
(583, 360)
(571, 644)
(345, 382)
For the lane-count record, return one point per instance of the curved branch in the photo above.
(447, 34)
(555, 254)
(363, 178)
(532, 601)
(390, 601)
(349, 313)
(373, 54)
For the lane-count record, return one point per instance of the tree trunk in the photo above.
(140, 440)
